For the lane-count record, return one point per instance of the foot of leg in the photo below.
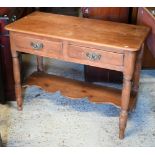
(122, 123)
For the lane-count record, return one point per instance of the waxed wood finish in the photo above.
(49, 45)
(120, 36)
(86, 41)
(115, 14)
(106, 57)
(69, 51)
(127, 77)
(138, 67)
(77, 89)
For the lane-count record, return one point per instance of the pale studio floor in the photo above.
(49, 119)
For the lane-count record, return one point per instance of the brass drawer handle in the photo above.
(93, 56)
(37, 46)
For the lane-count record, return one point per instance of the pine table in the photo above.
(103, 44)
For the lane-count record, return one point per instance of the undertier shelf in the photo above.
(76, 89)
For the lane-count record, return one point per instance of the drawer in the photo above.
(37, 45)
(95, 55)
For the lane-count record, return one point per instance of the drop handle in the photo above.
(93, 56)
(36, 45)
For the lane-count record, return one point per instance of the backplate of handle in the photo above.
(93, 56)
(36, 45)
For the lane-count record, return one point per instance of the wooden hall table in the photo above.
(104, 44)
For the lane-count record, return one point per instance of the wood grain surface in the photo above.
(44, 34)
(105, 33)
(77, 89)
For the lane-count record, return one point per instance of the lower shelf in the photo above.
(77, 89)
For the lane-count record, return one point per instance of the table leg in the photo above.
(124, 107)
(129, 63)
(137, 70)
(40, 67)
(136, 75)
(16, 71)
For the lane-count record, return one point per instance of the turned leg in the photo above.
(136, 76)
(16, 71)
(40, 64)
(129, 63)
(137, 70)
(124, 107)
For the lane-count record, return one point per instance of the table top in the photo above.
(82, 30)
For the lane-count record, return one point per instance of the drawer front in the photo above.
(37, 45)
(95, 56)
